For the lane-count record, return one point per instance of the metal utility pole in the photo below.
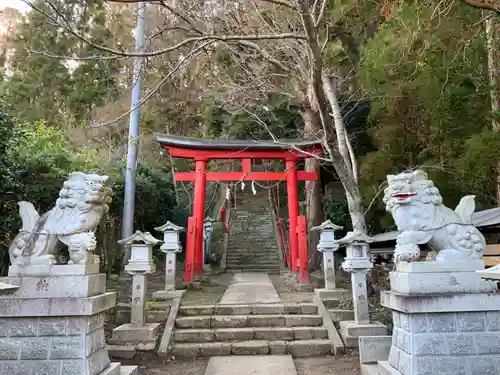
(133, 133)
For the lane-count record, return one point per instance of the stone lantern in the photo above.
(358, 263)
(327, 246)
(207, 241)
(138, 333)
(139, 265)
(171, 247)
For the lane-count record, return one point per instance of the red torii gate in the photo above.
(203, 150)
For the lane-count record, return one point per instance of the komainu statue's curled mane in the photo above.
(418, 210)
(82, 202)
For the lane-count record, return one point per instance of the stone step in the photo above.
(299, 348)
(332, 303)
(258, 309)
(129, 370)
(369, 369)
(252, 260)
(124, 351)
(240, 321)
(240, 249)
(271, 271)
(249, 333)
(384, 368)
(337, 315)
(272, 254)
(350, 328)
(274, 271)
(254, 265)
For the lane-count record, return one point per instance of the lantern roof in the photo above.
(147, 238)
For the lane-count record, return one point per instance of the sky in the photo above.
(18, 4)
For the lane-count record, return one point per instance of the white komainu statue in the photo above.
(417, 208)
(82, 202)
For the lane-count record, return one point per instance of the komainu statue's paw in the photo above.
(406, 253)
(89, 241)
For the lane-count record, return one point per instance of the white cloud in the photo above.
(17, 4)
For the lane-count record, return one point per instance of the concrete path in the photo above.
(251, 365)
(250, 288)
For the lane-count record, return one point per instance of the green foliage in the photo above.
(430, 106)
(55, 88)
(257, 122)
(36, 159)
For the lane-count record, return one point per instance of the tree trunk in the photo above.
(320, 94)
(493, 77)
(314, 206)
(345, 160)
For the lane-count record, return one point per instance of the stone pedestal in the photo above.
(360, 296)
(329, 269)
(138, 305)
(453, 331)
(170, 270)
(358, 263)
(171, 247)
(54, 322)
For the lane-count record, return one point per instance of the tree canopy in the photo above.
(425, 71)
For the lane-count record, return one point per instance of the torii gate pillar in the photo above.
(293, 211)
(199, 212)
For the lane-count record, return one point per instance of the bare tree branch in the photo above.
(280, 2)
(191, 56)
(321, 14)
(225, 38)
(277, 2)
(265, 55)
(476, 4)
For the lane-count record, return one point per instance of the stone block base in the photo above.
(426, 278)
(69, 286)
(332, 293)
(118, 369)
(129, 370)
(351, 331)
(54, 269)
(373, 349)
(453, 342)
(168, 294)
(71, 345)
(52, 327)
(141, 337)
(127, 351)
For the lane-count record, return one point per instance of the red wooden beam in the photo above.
(241, 176)
(246, 165)
(178, 152)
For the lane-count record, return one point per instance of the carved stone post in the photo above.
(358, 263)
(327, 246)
(171, 247)
(139, 265)
(138, 332)
(207, 241)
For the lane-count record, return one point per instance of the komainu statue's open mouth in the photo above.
(403, 196)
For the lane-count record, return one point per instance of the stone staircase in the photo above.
(216, 330)
(332, 299)
(252, 245)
